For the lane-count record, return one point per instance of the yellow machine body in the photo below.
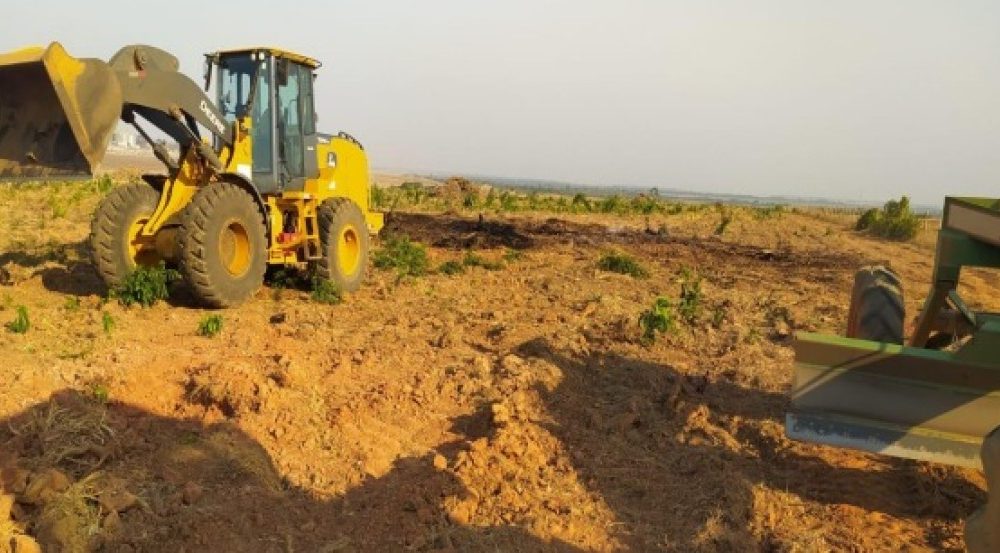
(57, 114)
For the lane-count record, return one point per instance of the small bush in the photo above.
(210, 326)
(379, 198)
(107, 322)
(326, 291)
(512, 255)
(612, 204)
(895, 221)
(689, 306)
(646, 205)
(867, 219)
(725, 219)
(475, 260)
(406, 257)
(21, 323)
(508, 202)
(145, 286)
(451, 268)
(104, 184)
(774, 211)
(622, 264)
(72, 303)
(719, 315)
(659, 319)
(99, 391)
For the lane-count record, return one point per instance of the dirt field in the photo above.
(507, 410)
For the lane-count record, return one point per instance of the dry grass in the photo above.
(72, 520)
(75, 438)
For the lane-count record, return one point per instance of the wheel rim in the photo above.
(234, 248)
(140, 251)
(349, 250)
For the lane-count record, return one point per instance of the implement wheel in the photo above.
(222, 243)
(114, 232)
(344, 241)
(877, 311)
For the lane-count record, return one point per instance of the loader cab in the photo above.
(274, 88)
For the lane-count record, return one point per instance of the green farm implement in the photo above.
(935, 397)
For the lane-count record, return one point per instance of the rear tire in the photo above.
(344, 243)
(113, 230)
(877, 310)
(222, 244)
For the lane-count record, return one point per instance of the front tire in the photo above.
(114, 232)
(223, 247)
(877, 311)
(344, 243)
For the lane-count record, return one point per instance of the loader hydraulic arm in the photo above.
(57, 112)
(153, 88)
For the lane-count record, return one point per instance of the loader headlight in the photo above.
(331, 159)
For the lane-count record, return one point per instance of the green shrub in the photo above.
(622, 264)
(512, 255)
(768, 212)
(659, 319)
(326, 291)
(867, 219)
(580, 203)
(689, 306)
(99, 391)
(104, 184)
(508, 202)
(210, 326)
(612, 204)
(646, 205)
(472, 259)
(451, 267)
(107, 322)
(725, 219)
(21, 323)
(895, 221)
(145, 286)
(406, 257)
(380, 199)
(72, 303)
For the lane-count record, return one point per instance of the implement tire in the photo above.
(877, 310)
(344, 243)
(222, 244)
(113, 231)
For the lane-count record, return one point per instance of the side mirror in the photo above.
(208, 72)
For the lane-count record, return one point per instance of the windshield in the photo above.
(236, 73)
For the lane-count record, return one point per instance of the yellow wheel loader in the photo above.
(251, 183)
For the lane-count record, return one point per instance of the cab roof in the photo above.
(276, 52)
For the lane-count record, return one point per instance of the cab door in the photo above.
(295, 123)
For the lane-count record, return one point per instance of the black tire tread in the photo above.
(877, 310)
(194, 264)
(330, 215)
(105, 228)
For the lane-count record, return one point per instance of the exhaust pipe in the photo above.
(57, 113)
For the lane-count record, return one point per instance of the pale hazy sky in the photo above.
(857, 100)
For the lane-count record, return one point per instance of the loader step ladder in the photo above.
(312, 247)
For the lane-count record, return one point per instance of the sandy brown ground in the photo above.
(510, 410)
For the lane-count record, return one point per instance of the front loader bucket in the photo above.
(57, 113)
(895, 400)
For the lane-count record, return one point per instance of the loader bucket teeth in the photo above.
(57, 113)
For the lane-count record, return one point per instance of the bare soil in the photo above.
(509, 410)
